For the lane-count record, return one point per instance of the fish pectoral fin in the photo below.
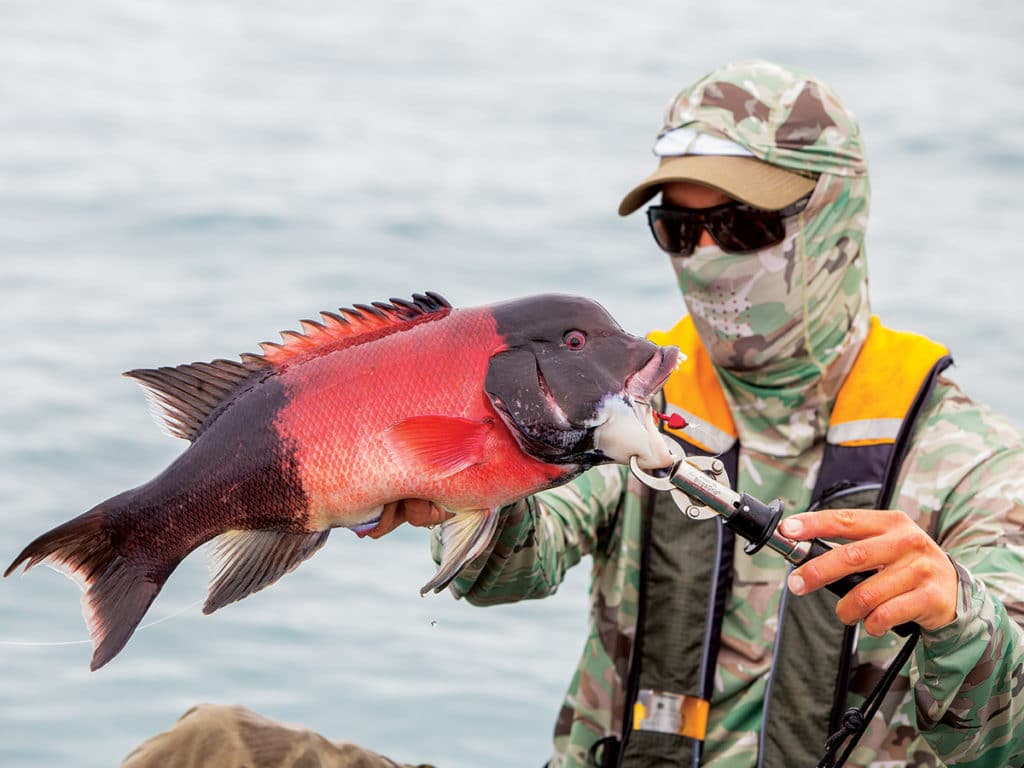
(243, 562)
(463, 538)
(440, 445)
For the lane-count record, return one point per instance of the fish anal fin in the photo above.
(464, 537)
(441, 445)
(184, 397)
(243, 562)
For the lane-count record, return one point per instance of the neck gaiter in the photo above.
(783, 325)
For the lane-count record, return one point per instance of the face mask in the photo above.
(778, 316)
(746, 307)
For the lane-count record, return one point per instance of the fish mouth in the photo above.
(626, 430)
(626, 427)
(622, 426)
(650, 378)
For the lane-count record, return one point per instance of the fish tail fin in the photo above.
(463, 537)
(117, 590)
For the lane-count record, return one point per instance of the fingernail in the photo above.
(796, 584)
(791, 527)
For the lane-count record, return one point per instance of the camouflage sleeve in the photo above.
(969, 674)
(540, 538)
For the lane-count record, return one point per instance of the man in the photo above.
(697, 652)
(806, 398)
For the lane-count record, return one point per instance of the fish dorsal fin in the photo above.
(184, 397)
(243, 562)
(348, 327)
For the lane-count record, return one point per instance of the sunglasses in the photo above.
(736, 227)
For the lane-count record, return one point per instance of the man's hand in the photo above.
(413, 511)
(916, 581)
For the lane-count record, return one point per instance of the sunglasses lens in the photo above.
(736, 227)
(676, 232)
(740, 228)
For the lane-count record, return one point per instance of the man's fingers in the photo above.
(418, 512)
(424, 513)
(844, 559)
(390, 518)
(842, 523)
(902, 609)
(439, 514)
(875, 598)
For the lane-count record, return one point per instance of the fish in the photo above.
(471, 408)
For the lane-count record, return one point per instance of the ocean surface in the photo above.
(181, 180)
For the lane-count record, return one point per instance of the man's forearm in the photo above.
(968, 681)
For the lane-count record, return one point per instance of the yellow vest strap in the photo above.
(695, 393)
(869, 409)
(881, 386)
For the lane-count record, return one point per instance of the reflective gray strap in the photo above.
(863, 429)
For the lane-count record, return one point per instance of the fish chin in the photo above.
(556, 443)
(626, 429)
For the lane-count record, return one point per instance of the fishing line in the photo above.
(88, 641)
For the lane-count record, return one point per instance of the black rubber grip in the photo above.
(844, 585)
(755, 521)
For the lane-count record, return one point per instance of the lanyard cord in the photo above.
(856, 719)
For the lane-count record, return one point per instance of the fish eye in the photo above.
(574, 339)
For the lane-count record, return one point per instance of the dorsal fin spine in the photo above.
(371, 310)
(333, 317)
(311, 327)
(351, 326)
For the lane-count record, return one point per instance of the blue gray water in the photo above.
(180, 180)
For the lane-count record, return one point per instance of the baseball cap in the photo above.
(756, 130)
(704, 158)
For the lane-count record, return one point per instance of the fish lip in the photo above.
(653, 374)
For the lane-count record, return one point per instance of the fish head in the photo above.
(573, 387)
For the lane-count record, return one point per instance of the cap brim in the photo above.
(744, 178)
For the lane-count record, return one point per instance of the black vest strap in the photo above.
(807, 688)
(675, 568)
(812, 649)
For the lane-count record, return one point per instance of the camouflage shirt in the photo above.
(960, 702)
(783, 326)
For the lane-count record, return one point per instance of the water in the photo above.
(178, 181)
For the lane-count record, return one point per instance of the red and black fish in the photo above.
(469, 408)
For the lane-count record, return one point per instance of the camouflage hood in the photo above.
(783, 325)
(781, 116)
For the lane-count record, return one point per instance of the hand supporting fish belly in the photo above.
(469, 409)
(417, 512)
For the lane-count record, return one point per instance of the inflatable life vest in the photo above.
(684, 586)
